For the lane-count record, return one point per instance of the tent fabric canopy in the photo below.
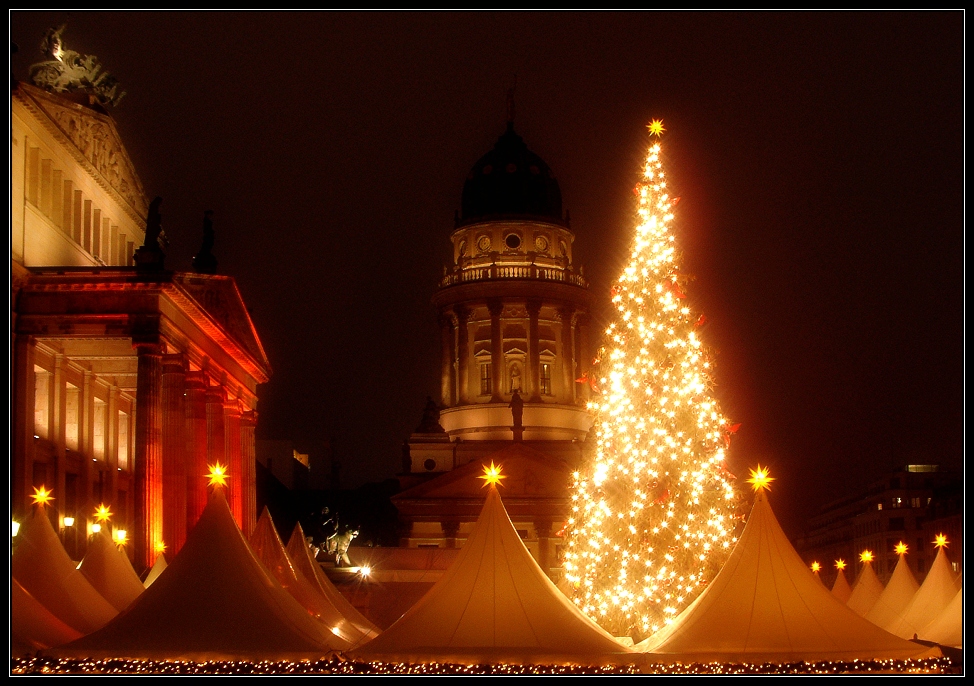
(267, 545)
(215, 601)
(841, 588)
(931, 599)
(43, 568)
(110, 572)
(866, 590)
(766, 606)
(32, 626)
(947, 629)
(494, 604)
(895, 597)
(300, 554)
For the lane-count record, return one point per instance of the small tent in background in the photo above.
(267, 545)
(494, 604)
(215, 601)
(766, 606)
(931, 599)
(32, 626)
(298, 550)
(45, 570)
(108, 569)
(867, 589)
(897, 595)
(840, 587)
(157, 568)
(948, 628)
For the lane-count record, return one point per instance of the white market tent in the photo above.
(110, 572)
(841, 588)
(300, 553)
(948, 628)
(157, 568)
(45, 570)
(32, 626)
(267, 545)
(895, 597)
(766, 606)
(494, 604)
(215, 601)
(866, 590)
(931, 599)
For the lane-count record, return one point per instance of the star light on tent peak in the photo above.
(102, 513)
(217, 475)
(160, 547)
(816, 567)
(760, 480)
(492, 475)
(866, 556)
(940, 541)
(901, 548)
(840, 564)
(42, 496)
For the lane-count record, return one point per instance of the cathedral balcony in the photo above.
(499, 267)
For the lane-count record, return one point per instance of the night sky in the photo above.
(819, 160)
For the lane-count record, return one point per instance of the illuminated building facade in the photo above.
(125, 382)
(513, 311)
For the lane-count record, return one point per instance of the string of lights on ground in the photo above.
(339, 666)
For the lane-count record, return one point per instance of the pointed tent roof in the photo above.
(32, 626)
(866, 590)
(895, 597)
(494, 604)
(297, 549)
(765, 606)
(931, 599)
(948, 628)
(45, 570)
(110, 572)
(157, 568)
(841, 588)
(267, 545)
(214, 601)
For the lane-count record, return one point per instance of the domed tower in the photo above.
(513, 310)
(513, 306)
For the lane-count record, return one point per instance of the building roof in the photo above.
(510, 182)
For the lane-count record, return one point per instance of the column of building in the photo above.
(174, 451)
(148, 454)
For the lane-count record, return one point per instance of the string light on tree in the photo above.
(653, 513)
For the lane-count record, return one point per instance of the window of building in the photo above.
(879, 506)
(545, 378)
(915, 502)
(485, 379)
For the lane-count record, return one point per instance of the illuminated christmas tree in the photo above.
(653, 513)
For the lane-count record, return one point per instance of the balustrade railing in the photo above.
(494, 271)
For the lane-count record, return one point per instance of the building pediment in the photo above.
(92, 139)
(220, 298)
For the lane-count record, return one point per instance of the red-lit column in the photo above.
(148, 454)
(23, 426)
(196, 446)
(173, 452)
(238, 482)
(248, 461)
